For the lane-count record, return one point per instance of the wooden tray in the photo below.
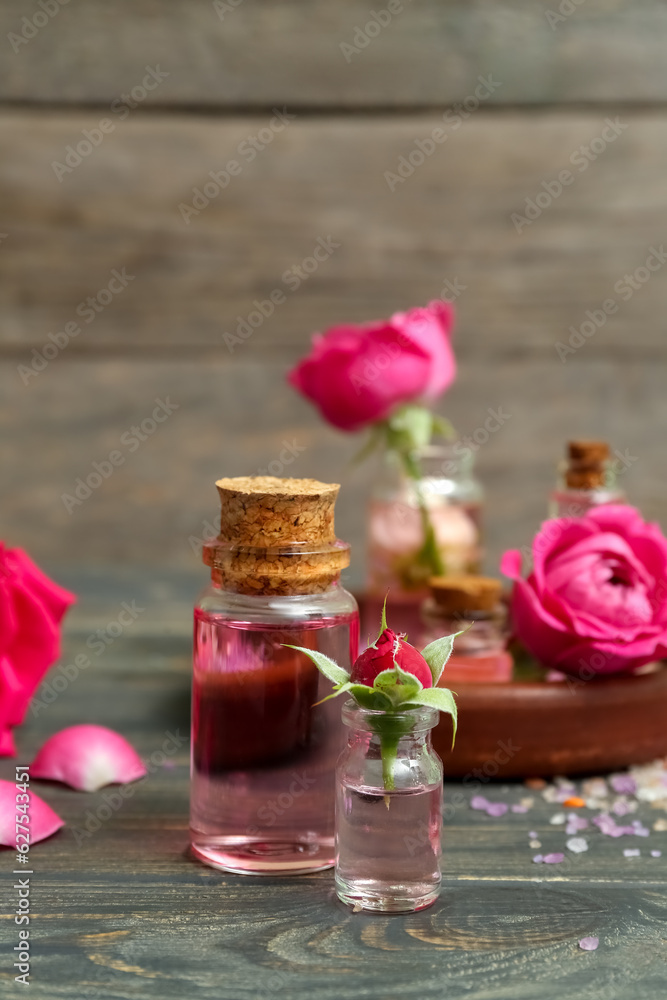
(519, 730)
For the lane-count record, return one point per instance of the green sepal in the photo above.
(398, 685)
(438, 652)
(440, 698)
(383, 620)
(324, 664)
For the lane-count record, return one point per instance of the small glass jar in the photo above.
(587, 478)
(453, 497)
(388, 842)
(472, 603)
(264, 749)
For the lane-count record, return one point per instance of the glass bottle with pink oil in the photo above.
(264, 747)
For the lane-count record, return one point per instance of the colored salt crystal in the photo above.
(553, 859)
(496, 809)
(631, 852)
(533, 834)
(621, 807)
(577, 844)
(575, 823)
(656, 854)
(589, 943)
(535, 844)
(574, 802)
(595, 788)
(538, 859)
(478, 802)
(660, 825)
(535, 783)
(639, 829)
(519, 809)
(623, 784)
(557, 819)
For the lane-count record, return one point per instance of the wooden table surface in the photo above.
(120, 911)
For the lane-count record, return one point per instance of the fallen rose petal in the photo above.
(43, 821)
(87, 757)
(553, 859)
(589, 943)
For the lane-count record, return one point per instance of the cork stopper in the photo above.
(459, 594)
(276, 536)
(587, 464)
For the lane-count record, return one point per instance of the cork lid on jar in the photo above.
(276, 536)
(586, 464)
(461, 594)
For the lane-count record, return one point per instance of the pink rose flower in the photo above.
(31, 609)
(384, 654)
(358, 374)
(596, 600)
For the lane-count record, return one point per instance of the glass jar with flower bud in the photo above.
(388, 778)
(586, 479)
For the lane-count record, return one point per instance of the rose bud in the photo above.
(389, 648)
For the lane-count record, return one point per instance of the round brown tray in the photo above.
(536, 729)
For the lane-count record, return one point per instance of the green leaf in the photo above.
(443, 427)
(440, 698)
(398, 685)
(410, 428)
(324, 664)
(369, 698)
(438, 652)
(375, 440)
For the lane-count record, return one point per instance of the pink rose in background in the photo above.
(31, 609)
(596, 600)
(358, 374)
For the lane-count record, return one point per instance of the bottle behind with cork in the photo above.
(587, 479)
(264, 748)
(473, 604)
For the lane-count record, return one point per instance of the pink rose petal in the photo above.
(87, 758)
(589, 943)
(43, 821)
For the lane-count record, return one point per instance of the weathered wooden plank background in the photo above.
(320, 177)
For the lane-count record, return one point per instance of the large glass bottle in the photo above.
(263, 749)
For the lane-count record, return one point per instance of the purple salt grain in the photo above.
(538, 859)
(496, 809)
(589, 943)
(621, 808)
(623, 784)
(533, 834)
(553, 859)
(639, 829)
(478, 802)
(656, 854)
(519, 809)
